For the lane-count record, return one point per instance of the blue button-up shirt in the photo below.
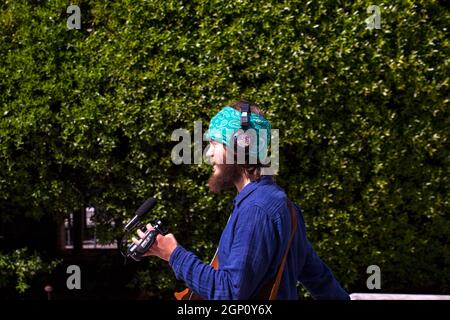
(251, 248)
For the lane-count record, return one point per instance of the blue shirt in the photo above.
(251, 248)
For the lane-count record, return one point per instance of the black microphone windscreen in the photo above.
(146, 206)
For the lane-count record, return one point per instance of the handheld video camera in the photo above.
(136, 252)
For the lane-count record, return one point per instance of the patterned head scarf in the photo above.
(227, 122)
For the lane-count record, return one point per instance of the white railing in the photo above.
(389, 296)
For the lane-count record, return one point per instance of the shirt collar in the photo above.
(249, 188)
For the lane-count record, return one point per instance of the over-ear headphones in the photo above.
(245, 115)
(242, 139)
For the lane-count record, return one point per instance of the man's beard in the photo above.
(224, 177)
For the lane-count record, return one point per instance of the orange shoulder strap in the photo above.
(274, 291)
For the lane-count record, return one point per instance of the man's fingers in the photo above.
(150, 252)
(141, 234)
(135, 241)
(150, 227)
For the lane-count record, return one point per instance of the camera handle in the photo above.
(137, 251)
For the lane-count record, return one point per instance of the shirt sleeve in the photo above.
(318, 279)
(252, 252)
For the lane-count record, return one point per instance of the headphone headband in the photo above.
(245, 114)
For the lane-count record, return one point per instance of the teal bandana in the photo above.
(228, 121)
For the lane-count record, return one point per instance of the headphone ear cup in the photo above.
(242, 142)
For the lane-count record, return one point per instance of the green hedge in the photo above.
(86, 118)
(18, 269)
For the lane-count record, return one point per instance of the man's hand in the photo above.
(163, 246)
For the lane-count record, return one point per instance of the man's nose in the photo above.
(209, 152)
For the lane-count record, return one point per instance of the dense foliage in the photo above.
(18, 269)
(86, 118)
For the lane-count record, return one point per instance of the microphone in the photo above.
(143, 209)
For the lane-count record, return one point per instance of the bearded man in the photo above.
(263, 252)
